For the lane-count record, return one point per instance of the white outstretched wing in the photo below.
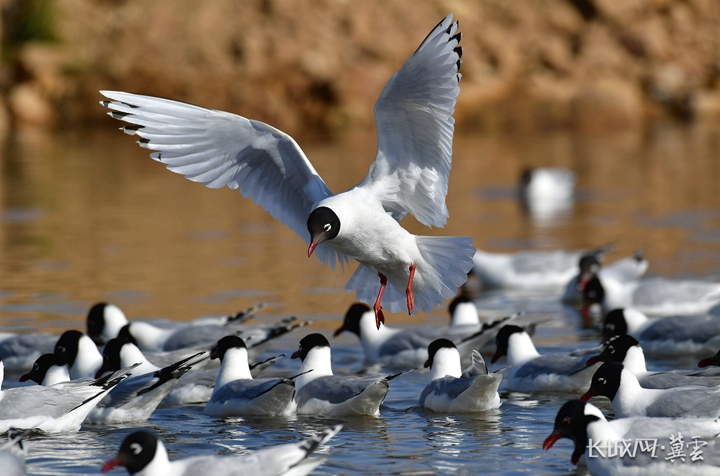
(415, 129)
(221, 149)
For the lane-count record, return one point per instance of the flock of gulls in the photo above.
(119, 371)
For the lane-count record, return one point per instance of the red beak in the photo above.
(311, 248)
(593, 360)
(26, 377)
(551, 440)
(588, 395)
(427, 364)
(703, 363)
(111, 464)
(338, 332)
(295, 355)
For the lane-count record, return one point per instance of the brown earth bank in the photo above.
(318, 65)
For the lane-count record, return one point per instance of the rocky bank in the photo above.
(319, 65)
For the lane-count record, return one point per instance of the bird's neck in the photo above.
(370, 336)
(87, 361)
(234, 367)
(160, 463)
(465, 314)
(520, 348)
(56, 374)
(635, 361)
(631, 399)
(318, 360)
(149, 337)
(634, 320)
(446, 364)
(131, 355)
(114, 321)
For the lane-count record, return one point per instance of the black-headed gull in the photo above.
(623, 270)
(453, 391)
(669, 336)
(654, 296)
(52, 409)
(546, 193)
(144, 454)
(195, 387)
(532, 372)
(13, 454)
(237, 393)
(614, 381)
(638, 446)
(530, 269)
(80, 354)
(627, 350)
(105, 320)
(131, 401)
(410, 175)
(319, 392)
(408, 347)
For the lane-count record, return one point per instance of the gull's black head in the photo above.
(614, 324)
(616, 350)
(605, 381)
(125, 333)
(323, 225)
(41, 366)
(67, 346)
(434, 347)
(136, 452)
(501, 341)
(571, 422)
(225, 344)
(111, 355)
(352, 319)
(308, 343)
(96, 320)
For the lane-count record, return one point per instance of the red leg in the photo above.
(408, 291)
(379, 317)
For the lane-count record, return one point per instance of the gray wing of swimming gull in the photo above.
(450, 386)
(561, 364)
(682, 328)
(247, 389)
(23, 402)
(336, 388)
(410, 340)
(687, 402)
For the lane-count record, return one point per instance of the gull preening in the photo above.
(410, 175)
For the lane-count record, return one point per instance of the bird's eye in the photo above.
(136, 448)
(327, 227)
(611, 349)
(61, 349)
(36, 367)
(602, 381)
(610, 327)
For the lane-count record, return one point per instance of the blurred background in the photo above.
(626, 94)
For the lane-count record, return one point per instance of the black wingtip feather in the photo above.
(118, 115)
(457, 36)
(459, 51)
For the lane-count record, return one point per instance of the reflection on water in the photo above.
(88, 216)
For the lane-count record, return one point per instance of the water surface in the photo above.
(87, 216)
